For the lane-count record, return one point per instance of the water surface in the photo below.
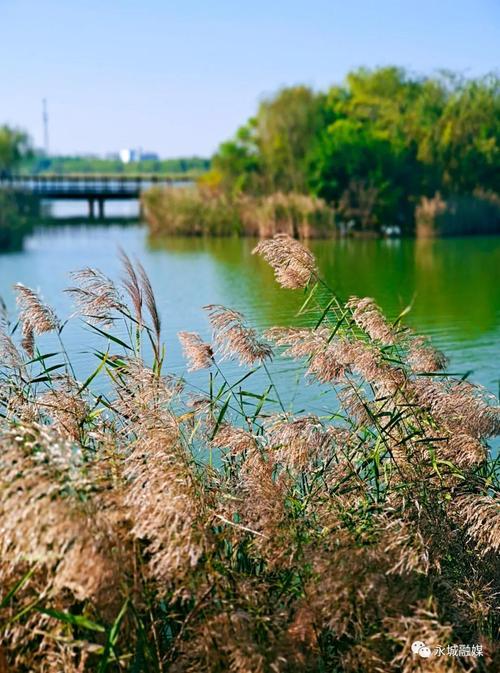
(451, 284)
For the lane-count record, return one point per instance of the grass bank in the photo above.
(167, 527)
(195, 211)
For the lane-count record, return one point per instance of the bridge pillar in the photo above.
(100, 203)
(91, 209)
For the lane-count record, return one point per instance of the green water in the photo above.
(452, 284)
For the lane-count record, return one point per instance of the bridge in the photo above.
(91, 187)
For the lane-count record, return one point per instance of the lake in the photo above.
(452, 285)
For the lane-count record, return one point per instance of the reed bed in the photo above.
(478, 213)
(164, 528)
(198, 211)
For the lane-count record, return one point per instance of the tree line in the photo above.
(17, 153)
(373, 146)
(81, 164)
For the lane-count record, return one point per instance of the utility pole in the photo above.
(45, 116)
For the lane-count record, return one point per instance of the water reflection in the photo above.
(452, 283)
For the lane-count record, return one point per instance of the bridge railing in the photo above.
(91, 182)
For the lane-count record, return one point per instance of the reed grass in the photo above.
(198, 211)
(458, 215)
(164, 528)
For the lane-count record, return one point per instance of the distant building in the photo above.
(127, 155)
(149, 156)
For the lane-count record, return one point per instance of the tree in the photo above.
(270, 152)
(14, 146)
(467, 137)
(237, 163)
(373, 146)
(286, 127)
(350, 166)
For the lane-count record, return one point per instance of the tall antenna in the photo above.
(45, 116)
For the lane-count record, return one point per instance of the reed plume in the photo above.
(297, 442)
(294, 265)
(424, 358)
(234, 439)
(151, 305)
(65, 407)
(326, 359)
(367, 315)
(234, 338)
(132, 286)
(96, 296)
(9, 354)
(35, 317)
(481, 517)
(460, 406)
(33, 312)
(198, 353)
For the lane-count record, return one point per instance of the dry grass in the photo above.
(307, 544)
(200, 212)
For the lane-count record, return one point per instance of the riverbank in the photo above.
(198, 211)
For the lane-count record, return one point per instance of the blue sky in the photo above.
(179, 77)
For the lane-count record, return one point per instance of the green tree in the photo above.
(286, 127)
(467, 137)
(238, 162)
(355, 167)
(270, 152)
(14, 146)
(373, 146)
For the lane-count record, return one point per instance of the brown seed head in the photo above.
(369, 317)
(198, 353)
(96, 296)
(424, 358)
(294, 265)
(234, 338)
(40, 317)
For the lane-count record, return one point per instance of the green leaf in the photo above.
(45, 376)
(220, 418)
(17, 586)
(308, 299)
(94, 374)
(111, 337)
(112, 638)
(41, 358)
(325, 311)
(74, 620)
